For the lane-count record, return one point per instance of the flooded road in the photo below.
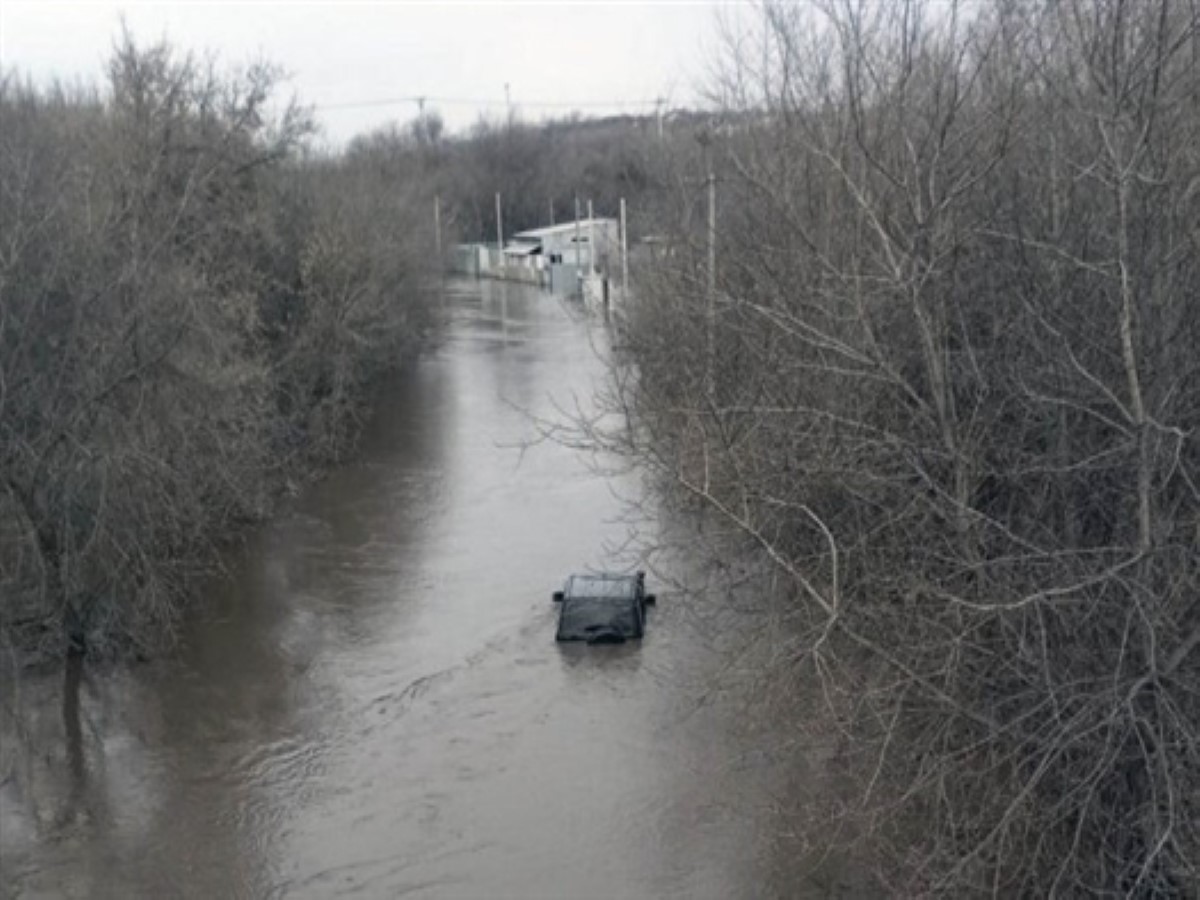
(373, 704)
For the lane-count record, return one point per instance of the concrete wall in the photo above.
(564, 279)
(523, 274)
(484, 261)
(464, 260)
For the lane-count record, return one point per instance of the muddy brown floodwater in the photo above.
(373, 705)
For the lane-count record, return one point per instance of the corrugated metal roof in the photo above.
(521, 249)
(538, 233)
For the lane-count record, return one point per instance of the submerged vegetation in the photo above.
(190, 307)
(943, 381)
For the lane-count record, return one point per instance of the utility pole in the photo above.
(710, 334)
(624, 255)
(439, 260)
(551, 204)
(591, 240)
(507, 102)
(577, 236)
(499, 228)
(712, 226)
(437, 227)
(658, 109)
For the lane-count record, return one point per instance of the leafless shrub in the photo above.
(189, 310)
(954, 401)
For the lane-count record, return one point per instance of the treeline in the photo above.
(538, 168)
(944, 381)
(191, 305)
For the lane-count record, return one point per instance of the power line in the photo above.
(486, 101)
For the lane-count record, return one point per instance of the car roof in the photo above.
(615, 586)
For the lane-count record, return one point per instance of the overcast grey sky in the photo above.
(355, 53)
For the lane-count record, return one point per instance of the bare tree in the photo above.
(956, 407)
(189, 311)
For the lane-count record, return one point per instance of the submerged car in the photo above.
(603, 609)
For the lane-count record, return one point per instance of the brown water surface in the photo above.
(373, 704)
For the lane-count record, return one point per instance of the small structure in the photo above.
(570, 252)
(565, 258)
(590, 243)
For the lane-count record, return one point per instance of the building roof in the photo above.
(536, 234)
(523, 249)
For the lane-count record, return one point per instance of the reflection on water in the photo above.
(374, 705)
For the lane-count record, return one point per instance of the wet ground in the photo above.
(373, 704)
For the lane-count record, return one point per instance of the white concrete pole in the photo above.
(437, 227)
(712, 227)
(499, 225)
(591, 240)
(712, 275)
(624, 254)
(439, 260)
(577, 235)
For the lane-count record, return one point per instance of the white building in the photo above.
(590, 245)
